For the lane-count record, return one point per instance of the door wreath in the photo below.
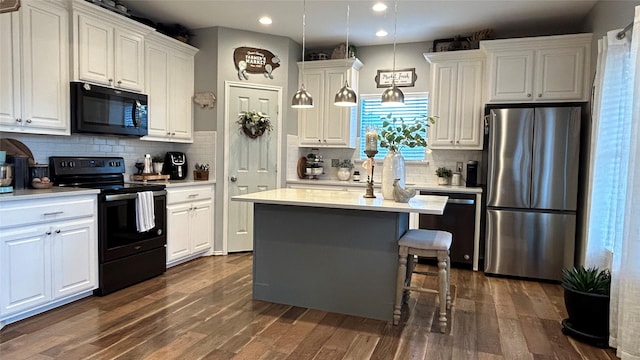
(254, 124)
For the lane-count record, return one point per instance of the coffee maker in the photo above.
(175, 165)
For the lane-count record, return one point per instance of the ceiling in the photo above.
(326, 20)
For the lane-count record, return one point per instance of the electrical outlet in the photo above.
(334, 162)
(459, 166)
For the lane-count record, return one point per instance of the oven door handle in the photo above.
(130, 196)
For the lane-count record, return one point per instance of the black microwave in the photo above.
(102, 110)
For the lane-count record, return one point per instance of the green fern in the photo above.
(591, 280)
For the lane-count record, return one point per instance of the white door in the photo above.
(250, 163)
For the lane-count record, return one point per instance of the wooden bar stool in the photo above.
(424, 243)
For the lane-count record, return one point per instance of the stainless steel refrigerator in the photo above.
(532, 184)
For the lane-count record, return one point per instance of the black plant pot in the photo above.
(588, 317)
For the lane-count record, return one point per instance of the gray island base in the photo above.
(336, 260)
(330, 250)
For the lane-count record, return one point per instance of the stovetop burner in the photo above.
(104, 173)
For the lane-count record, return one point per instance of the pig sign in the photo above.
(255, 61)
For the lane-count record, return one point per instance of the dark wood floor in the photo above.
(203, 310)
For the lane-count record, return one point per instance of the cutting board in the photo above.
(14, 147)
(147, 177)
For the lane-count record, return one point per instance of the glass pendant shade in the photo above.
(346, 96)
(392, 96)
(302, 99)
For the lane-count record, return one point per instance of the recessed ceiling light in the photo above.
(379, 7)
(381, 33)
(265, 20)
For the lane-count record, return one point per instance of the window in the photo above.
(372, 113)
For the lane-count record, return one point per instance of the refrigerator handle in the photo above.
(486, 123)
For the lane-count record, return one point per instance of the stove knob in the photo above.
(71, 164)
(63, 164)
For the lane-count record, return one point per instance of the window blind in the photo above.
(372, 113)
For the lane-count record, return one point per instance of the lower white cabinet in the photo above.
(48, 253)
(189, 222)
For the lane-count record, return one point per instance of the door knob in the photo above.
(233, 179)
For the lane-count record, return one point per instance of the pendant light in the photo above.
(346, 96)
(302, 99)
(393, 96)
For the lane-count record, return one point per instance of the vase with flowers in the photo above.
(397, 133)
(254, 124)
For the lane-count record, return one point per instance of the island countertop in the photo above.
(423, 204)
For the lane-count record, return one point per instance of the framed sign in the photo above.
(403, 78)
(9, 5)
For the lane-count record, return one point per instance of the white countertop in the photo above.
(418, 186)
(176, 183)
(55, 191)
(423, 204)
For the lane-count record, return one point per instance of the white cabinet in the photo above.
(48, 253)
(548, 68)
(34, 69)
(456, 99)
(169, 70)
(327, 125)
(189, 222)
(108, 47)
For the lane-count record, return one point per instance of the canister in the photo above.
(455, 179)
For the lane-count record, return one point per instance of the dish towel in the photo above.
(145, 219)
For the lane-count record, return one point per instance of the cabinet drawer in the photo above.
(38, 211)
(192, 193)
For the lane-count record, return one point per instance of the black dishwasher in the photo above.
(459, 218)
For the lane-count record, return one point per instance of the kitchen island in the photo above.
(330, 250)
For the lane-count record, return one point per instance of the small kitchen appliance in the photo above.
(6, 178)
(175, 165)
(472, 173)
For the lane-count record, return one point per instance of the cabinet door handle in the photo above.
(28, 121)
(319, 140)
(48, 232)
(110, 81)
(191, 196)
(168, 133)
(457, 141)
(528, 95)
(539, 95)
(451, 141)
(19, 120)
(53, 213)
(58, 231)
(119, 82)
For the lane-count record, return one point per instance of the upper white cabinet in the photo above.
(547, 68)
(327, 125)
(456, 99)
(108, 47)
(34, 69)
(169, 70)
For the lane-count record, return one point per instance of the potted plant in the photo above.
(344, 169)
(586, 297)
(395, 134)
(158, 163)
(444, 174)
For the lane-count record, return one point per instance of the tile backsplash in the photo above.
(417, 171)
(201, 151)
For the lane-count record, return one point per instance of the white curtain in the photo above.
(613, 237)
